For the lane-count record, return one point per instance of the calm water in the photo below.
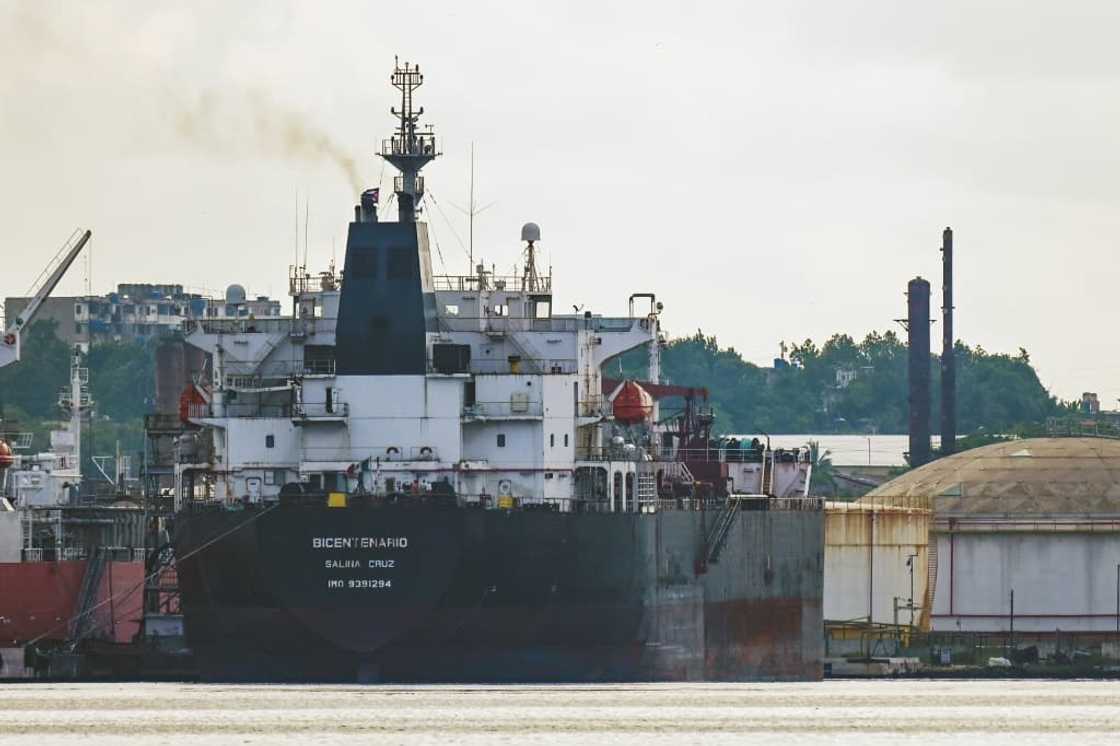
(879, 712)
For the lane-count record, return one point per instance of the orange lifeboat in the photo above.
(6, 456)
(632, 404)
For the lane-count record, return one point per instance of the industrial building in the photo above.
(1025, 536)
(140, 311)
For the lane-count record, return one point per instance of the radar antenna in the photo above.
(410, 148)
(531, 280)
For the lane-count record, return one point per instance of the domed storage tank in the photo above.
(632, 404)
(1040, 517)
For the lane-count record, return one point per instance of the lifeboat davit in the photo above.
(632, 404)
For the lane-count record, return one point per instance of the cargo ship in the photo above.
(429, 478)
(72, 570)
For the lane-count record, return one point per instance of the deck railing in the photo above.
(720, 455)
(486, 501)
(504, 409)
(541, 284)
(320, 410)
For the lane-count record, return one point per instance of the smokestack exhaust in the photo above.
(917, 327)
(366, 211)
(948, 354)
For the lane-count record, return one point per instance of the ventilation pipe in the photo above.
(948, 355)
(917, 325)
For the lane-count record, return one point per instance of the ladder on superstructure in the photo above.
(767, 485)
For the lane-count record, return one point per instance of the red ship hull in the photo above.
(38, 601)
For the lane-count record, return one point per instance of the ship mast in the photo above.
(410, 148)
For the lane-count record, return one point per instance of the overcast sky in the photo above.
(772, 170)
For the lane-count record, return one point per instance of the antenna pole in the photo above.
(306, 220)
(410, 148)
(470, 214)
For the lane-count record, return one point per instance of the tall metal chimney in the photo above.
(948, 355)
(917, 327)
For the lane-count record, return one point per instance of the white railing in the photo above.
(422, 143)
(319, 367)
(541, 284)
(320, 410)
(240, 409)
(504, 409)
(532, 366)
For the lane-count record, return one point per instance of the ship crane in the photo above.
(43, 287)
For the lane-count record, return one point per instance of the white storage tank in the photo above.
(875, 562)
(1039, 518)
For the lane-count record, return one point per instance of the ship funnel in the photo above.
(387, 307)
(367, 208)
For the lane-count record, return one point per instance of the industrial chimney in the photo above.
(948, 356)
(917, 326)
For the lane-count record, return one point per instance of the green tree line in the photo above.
(121, 382)
(996, 392)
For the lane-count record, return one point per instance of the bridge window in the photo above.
(501, 440)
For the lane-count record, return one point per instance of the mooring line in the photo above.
(146, 578)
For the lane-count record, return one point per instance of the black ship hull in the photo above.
(428, 594)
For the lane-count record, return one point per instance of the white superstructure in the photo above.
(512, 407)
(470, 387)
